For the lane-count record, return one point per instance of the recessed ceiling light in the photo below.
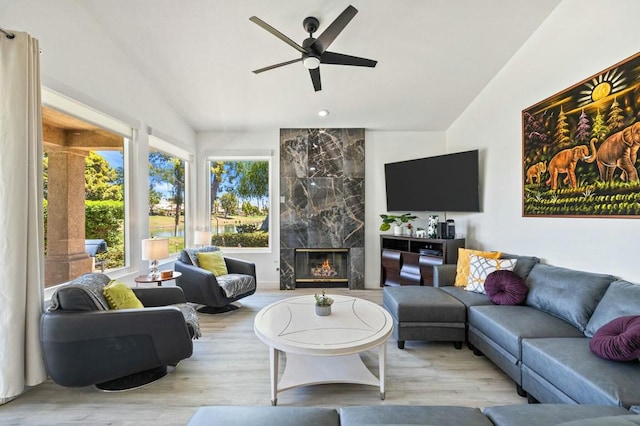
(323, 112)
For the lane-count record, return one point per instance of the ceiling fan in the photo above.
(314, 50)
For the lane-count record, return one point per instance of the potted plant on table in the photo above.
(397, 221)
(323, 304)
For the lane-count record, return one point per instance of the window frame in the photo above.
(160, 143)
(239, 156)
(129, 133)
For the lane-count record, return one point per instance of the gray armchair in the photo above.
(84, 343)
(216, 293)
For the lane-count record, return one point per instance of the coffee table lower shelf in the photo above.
(307, 370)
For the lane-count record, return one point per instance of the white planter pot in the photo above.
(323, 311)
(397, 229)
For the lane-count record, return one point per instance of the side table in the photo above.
(146, 279)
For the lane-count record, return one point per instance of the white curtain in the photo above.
(21, 223)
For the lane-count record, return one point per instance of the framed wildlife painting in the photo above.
(580, 147)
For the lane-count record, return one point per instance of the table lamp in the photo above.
(154, 249)
(202, 238)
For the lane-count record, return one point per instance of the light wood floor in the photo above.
(230, 366)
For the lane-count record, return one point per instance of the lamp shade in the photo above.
(155, 248)
(202, 238)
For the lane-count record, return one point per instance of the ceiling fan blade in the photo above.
(325, 39)
(278, 34)
(315, 79)
(340, 59)
(281, 64)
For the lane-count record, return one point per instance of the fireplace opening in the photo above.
(326, 267)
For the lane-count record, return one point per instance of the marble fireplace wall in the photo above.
(322, 196)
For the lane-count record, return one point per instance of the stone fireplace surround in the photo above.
(322, 197)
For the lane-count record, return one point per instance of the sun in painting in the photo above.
(602, 86)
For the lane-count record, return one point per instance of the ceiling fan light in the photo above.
(311, 62)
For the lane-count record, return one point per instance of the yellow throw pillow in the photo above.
(462, 268)
(214, 262)
(120, 296)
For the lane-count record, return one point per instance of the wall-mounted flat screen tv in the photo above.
(443, 183)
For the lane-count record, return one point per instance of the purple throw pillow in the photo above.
(505, 288)
(618, 340)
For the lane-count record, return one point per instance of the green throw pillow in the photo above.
(214, 262)
(120, 296)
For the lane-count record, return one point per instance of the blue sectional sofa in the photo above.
(509, 415)
(543, 345)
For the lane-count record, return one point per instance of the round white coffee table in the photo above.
(323, 349)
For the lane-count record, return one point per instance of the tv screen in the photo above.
(444, 183)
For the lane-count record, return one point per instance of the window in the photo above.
(239, 201)
(168, 171)
(84, 183)
(166, 198)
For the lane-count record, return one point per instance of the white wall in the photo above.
(79, 56)
(580, 38)
(388, 147)
(80, 60)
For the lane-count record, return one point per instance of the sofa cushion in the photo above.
(618, 340)
(82, 294)
(480, 268)
(264, 416)
(622, 298)
(508, 325)
(462, 266)
(628, 420)
(573, 369)
(505, 288)
(547, 414)
(566, 293)
(120, 296)
(411, 415)
(469, 298)
(423, 304)
(524, 264)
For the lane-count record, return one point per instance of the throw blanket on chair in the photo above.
(236, 284)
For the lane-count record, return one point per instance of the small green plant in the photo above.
(323, 299)
(388, 219)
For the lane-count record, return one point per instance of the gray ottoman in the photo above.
(425, 313)
(412, 415)
(264, 416)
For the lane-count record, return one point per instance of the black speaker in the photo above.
(451, 229)
(442, 230)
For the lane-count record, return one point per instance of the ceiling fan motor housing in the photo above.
(310, 24)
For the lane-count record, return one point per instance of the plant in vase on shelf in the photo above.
(397, 221)
(323, 304)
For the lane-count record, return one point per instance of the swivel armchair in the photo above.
(85, 343)
(216, 294)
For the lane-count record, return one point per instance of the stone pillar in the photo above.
(66, 258)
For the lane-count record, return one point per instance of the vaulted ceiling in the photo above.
(434, 57)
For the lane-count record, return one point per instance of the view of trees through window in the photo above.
(166, 198)
(98, 156)
(239, 202)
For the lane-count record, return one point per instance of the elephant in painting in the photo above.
(620, 150)
(535, 172)
(566, 161)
